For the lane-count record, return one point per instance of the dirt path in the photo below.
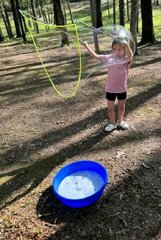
(40, 132)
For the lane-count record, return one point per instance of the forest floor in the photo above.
(41, 132)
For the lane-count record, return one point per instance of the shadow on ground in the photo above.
(28, 175)
(130, 210)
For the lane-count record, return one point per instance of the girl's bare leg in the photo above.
(111, 112)
(121, 110)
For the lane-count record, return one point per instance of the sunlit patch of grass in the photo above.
(157, 23)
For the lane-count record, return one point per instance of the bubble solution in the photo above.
(80, 184)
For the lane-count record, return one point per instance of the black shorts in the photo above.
(112, 96)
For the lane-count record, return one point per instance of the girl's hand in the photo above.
(90, 50)
(85, 44)
(128, 51)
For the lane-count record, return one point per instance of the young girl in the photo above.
(116, 83)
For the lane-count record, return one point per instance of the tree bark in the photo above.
(134, 21)
(60, 20)
(122, 12)
(16, 18)
(6, 20)
(147, 22)
(96, 18)
(114, 11)
(34, 14)
(1, 35)
(20, 22)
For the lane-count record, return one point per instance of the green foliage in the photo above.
(81, 11)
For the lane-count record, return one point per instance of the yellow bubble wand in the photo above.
(30, 17)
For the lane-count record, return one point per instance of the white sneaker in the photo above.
(123, 125)
(110, 127)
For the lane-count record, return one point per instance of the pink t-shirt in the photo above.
(116, 81)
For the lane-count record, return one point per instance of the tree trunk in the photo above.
(147, 22)
(108, 8)
(16, 18)
(96, 13)
(134, 21)
(22, 17)
(20, 21)
(121, 12)
(59, 20)
(127, 7)
(96, 18)
(24, 24)
(6, 20)
(45, 19)
(64, 11)
(114, 11)
(70, 12)
(1, 35)
(34, 14)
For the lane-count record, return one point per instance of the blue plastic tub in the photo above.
(80, 183)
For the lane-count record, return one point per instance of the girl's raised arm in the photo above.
(91, 52)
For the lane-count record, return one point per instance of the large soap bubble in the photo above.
(111, 31)
(100, 39)
(115, 31)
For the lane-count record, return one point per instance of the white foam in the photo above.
(80, 184)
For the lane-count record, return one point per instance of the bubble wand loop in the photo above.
(41, 61)
(46, 23)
